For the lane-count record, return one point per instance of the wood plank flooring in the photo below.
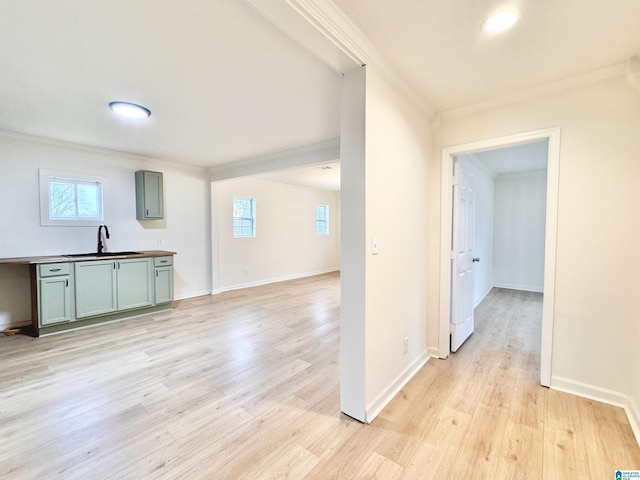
(245, 385)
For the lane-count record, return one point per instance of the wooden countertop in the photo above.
(63, 258)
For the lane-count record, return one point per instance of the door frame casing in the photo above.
(551, 227)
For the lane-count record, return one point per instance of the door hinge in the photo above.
(452, 328)
(454, 181)
(453, 255)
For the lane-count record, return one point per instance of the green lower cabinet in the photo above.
(96, 290)
(163, 279)
(55, 299)
(135, 288)
(108, 286)
(83, 293)
(164, 284)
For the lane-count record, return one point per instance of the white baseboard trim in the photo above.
(524, 288)
(633, 414)
(603, 395)
(267, 281)
(591, 392)
(201, 293)
(391, 391)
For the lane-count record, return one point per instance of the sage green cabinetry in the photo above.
(96, 290)
(163, 279)
(111, 285)
(55, 294)
(135, 288)
(149, 195)
(74, 294)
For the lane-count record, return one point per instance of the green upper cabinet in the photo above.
(149, 195)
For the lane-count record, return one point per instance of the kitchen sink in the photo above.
(101, 254)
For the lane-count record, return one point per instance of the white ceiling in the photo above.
(222, 83)
(225, 85)
(324, 177)
(439, 47)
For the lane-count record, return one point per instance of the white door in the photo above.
(462, 253)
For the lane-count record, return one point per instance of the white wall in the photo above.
(286, 245)
(393, 197)
(520, 207)
(185, 228)
(596, 301)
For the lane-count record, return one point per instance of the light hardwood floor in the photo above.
(245, 385)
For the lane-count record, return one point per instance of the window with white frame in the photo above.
(244, 217)
(68, 199)
(322, 219)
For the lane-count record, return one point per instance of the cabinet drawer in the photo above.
(163, 261)
(53, 269)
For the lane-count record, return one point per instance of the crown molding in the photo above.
(335, 25)
(607, 73)
(314, 154)
(91, 149)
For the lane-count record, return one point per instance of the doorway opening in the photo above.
(551, 137)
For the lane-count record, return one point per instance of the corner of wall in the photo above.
(633, 414)
(392, 390)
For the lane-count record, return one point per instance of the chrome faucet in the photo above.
(106, 231)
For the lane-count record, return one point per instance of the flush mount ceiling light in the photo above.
(501, 21)
(129, 110)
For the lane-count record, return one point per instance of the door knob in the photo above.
(476, 259)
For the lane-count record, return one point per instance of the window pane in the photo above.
(244, 217)
(88, 200)
(62, 203)
(322, 220)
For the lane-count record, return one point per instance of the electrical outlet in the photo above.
(405, 345)
(160, 242)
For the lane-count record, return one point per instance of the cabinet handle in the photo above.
(147, 212)
(114, 265)
(67, 285)
(156, 273)
(163, 261)
(55, 269)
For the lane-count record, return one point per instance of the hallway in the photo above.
(482, 413)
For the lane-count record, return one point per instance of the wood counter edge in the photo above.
(63, 259)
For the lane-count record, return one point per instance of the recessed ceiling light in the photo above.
(129, 110)
(501, 21)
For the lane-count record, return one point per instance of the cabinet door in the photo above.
(134, 283)
(95, 288)
(149, 195)
(54, 296)
(164, 284)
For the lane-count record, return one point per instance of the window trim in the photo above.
(326, 220)
(45, 198)
(252, 218)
